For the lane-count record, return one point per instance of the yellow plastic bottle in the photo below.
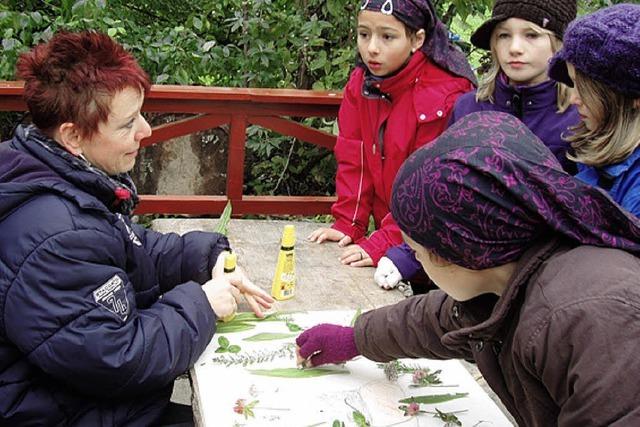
(230, 262)
(284, 281)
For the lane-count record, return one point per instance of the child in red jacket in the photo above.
(397, 99)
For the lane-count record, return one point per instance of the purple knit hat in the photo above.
(420, 14)
(487, 188)
(604, 46)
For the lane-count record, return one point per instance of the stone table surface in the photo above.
(322, 283)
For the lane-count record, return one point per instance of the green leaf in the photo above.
(319, 61)
(231, 327)
(355, 317)
(269, 336)
(112, 32)
(337, 423)
(293, 327)
(223, 222)
(246, 316)
(222, 350)
(234, 348)
(335, 8)
(360, 420)
(197, 23)
(206, 48)
(297, 373)
(223, 341)
(433, 398)
(449, 418)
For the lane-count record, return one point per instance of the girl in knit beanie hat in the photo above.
(538, 272)
(522, 36)
(399, 97)
(601, 59)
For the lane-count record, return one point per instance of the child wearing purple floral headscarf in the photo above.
(398, 98)
(539, 278)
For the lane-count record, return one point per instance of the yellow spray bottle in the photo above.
(230, 262)
(284, 281)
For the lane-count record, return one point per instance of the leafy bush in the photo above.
(237, 43)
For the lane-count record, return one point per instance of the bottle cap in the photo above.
(230, 262)
(289, 235)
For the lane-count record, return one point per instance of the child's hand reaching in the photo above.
(326, 343)
(330, 234)
(355, 256)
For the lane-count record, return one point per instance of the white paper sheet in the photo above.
(319, 401)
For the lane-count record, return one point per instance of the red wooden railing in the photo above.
(238, 108)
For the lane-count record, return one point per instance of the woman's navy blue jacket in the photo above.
(98, 315)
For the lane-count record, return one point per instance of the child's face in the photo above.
(587, 116)
(383, 42)
(522, 52)
(458, 282)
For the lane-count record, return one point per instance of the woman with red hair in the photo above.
(98, 315)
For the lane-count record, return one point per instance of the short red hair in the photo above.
(73, 77)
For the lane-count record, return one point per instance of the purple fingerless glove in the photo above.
(332, 343)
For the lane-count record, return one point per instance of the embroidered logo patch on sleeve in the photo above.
(113, 296)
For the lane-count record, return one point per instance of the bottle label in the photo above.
(288, 276)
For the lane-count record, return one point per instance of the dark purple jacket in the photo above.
(559, 347)
(98, 315)
(536, 107)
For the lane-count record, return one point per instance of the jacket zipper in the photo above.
(355, 213)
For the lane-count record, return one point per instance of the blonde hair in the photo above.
(617, 124)
(487, 85)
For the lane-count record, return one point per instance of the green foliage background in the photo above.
(307, 44)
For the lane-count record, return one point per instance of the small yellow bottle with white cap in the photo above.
(284, 281)
(230, 262)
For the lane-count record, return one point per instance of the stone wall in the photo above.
(193, 164)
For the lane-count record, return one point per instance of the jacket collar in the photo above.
(392, 86)
(97, 190)
(617, 169)
(540, 96)
(509, 303)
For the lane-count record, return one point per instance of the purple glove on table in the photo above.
(328, 344)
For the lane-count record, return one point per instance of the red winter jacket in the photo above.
(381, 124)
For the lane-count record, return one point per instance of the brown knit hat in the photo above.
(552, 15)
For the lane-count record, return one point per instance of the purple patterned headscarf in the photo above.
(420, 14)
(487, 188)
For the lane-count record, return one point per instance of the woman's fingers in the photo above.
(235, 292)
(266, 303)
(253, 304)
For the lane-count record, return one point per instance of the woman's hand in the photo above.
(222, 296)
(257, 298)
(355, 256)
(326, 343)
(329, 234)
(254, 295)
